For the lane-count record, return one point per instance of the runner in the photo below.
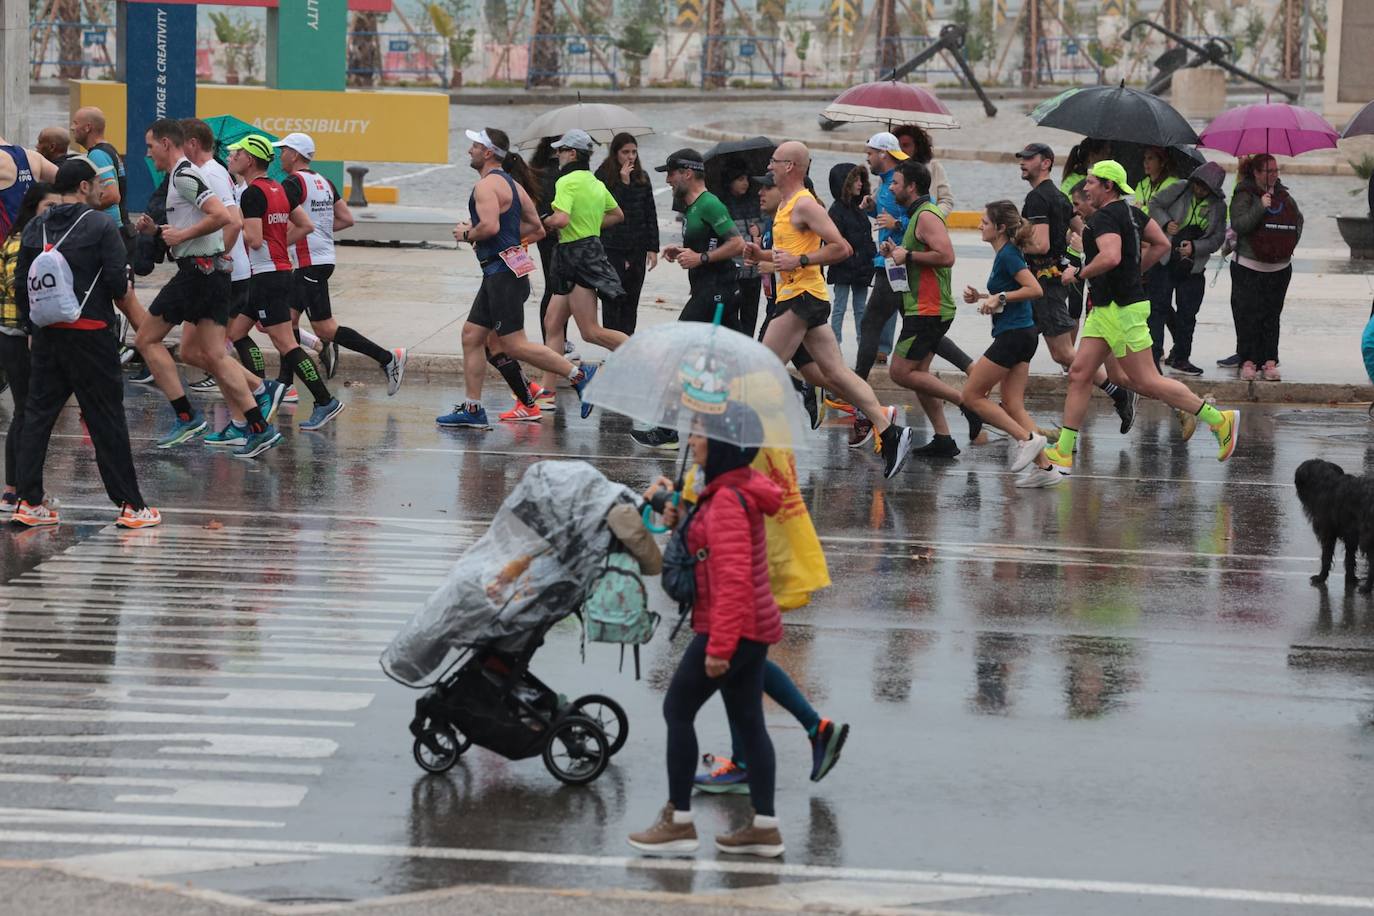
(502, 214)
(314, 256)
(1050, 212)
(1012, 287)
(710, 243)
(803, 300)
(199, 295)
(927, 307)
(266, 216)
(19, 169)
(582, 206)
(1117, 325)
(54, 144)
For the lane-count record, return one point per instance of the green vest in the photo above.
(930, 294)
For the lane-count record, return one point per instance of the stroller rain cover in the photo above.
(530, 568)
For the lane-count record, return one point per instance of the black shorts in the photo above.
(269, 298)
(707, 293)
(500, 303)
(310, 288)
(800, 358)
(1051, 310)
(1011, 348)
(810, 309)
(920, 335)
(583, 263)
(238, 298)
(193, 296)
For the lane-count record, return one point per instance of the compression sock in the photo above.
(182, 407)
(1110, 388)
(251, 356)
(1209, 415)
(304, 367)
(350, 339)
(285, 370)
(510, 371)
(1068, 438)
(253, 417)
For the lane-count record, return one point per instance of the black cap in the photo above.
(1036, 149)
(71, 173)
(685, 158)
(764, 181)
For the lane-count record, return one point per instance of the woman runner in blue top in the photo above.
(1011, 289)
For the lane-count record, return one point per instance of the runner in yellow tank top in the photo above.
(800, 227)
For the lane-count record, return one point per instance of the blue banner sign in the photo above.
(160, 62)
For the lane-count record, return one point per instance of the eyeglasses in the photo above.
(773, 159)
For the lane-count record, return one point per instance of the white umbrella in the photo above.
(600, 119)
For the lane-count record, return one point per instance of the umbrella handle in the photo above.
(648, 517)
(720, 314)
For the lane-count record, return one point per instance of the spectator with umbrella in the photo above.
(729, 165)
(1268, 226)
(1193, 215)
(631, 246)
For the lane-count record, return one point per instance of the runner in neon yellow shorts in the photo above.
(1125, 328)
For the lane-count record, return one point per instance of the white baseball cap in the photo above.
(300, 143)
(482, 137)
(575, 139)
(888, 143)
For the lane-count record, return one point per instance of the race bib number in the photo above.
(518, 260)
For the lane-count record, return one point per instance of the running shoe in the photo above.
(1060, 462)
(570, 353)
(588, 373)
(1248, 371)
(290, 396)
(183, 430)
(1169, 359)
(1187, 423)
(394, 371)
(322, 414)
(975, 424)
(658, 437)
(259, 442)
(938, 447)
(723, 777)
(232, 435)
(271, 398)
(205, 385)
(42, 515)
(521, 412)
(462, 418)
(861, 433)
(752, 840)
(1125, 404)
(1037, 477)
(9, 502)
(544, 399)
(810, 404)
(895, 446)
(329, 358)
(1270, 372)
(143, 376)
(1183, 367)
(1227, 433)
(126, 353)
(1023, 453)
(666, 836)
(1230, 362)
(826, 745)
(147, 517)
(838, 403)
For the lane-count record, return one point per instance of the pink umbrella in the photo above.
(1274, 128)
(890, 103)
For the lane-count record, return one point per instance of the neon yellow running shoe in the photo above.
(1227, 433)
(1060, 462)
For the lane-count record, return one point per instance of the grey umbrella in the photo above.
(1361, 124)
(600, 119)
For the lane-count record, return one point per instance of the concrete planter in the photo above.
(1358, 232)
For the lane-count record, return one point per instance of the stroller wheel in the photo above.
(609, 715)
(437, 750)
(576, 751)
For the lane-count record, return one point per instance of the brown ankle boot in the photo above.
(666, 837)
(752, 840)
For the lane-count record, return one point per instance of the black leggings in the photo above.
(742, 690)
(14, 359)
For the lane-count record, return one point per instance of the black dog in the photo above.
(1338, 506)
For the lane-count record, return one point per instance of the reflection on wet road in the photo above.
(1121, 695)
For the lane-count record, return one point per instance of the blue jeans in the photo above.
(840, 300)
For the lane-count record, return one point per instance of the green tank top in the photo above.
(930, 294)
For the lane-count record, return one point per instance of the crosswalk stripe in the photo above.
(201, 697)
(62, 816)
(205, 792)
(150, 763)
(36, 665)
(67, 714)
(205, 743)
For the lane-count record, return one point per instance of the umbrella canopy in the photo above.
(686, 372)
(750, 156)
(603, 121)
(229, 129)
(1182, 159)
(1274, 128)
(1116, 113)
(1361, 124)
(891, 103)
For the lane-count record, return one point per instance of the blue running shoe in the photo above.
(183, 430)
(587, 373)
(826, 745)
(725, 779)
(323, 413)
(270, 399)
(232, 435)
(462, 418)
(259, 442)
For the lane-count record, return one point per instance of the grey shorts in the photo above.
(1051, 310)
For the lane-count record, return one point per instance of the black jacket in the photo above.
(854, 225)
(639, 231)
(95, 246)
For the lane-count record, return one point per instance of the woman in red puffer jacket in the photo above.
(735, 620)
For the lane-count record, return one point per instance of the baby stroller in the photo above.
(478, 632)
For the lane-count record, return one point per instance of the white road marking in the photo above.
(152, 763)
(701, 866)
(62, 714)
(236, 697)
(37, 665)
(204, 792)
(152, 863)
(418, 174)
(200, 744)
(63, 816)
(354, 662)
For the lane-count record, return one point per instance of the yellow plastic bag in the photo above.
(796, 563)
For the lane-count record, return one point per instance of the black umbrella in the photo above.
(747, 156)
(1182, 159)
(1116, 113)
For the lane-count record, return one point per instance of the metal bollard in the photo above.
(356, 198)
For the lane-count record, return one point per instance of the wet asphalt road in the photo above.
(1119, 696)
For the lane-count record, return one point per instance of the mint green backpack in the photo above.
(616, 609)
